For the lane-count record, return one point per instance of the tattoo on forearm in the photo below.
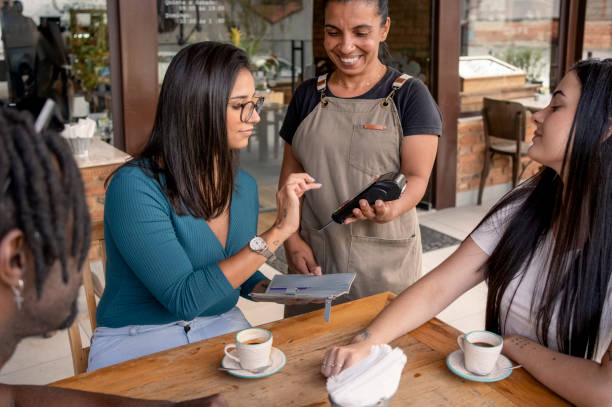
(276, 243)
(278, 221)
(365, 334)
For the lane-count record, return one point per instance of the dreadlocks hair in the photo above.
(39, 198)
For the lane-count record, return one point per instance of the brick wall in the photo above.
(514, 32)
(598, 34)
(471, 154)
(93, 178)
(599, 10)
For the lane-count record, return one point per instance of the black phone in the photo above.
(387, 187)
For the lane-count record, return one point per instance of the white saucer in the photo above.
(454, 361)
(277, 357)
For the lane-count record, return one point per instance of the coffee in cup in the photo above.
(254, 341)
(481, 349)
(485, 344)
(253, 347)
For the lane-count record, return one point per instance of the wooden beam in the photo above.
(114, 48)
(571, 34)
(133, 45)
(447, 43)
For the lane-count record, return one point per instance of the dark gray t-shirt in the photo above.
(418, 112)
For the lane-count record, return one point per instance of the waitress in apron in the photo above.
(362, 120)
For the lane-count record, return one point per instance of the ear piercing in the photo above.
(18, 294)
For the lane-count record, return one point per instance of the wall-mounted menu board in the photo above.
(194, 11)
(191, 20)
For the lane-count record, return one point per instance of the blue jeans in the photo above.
(115, 345)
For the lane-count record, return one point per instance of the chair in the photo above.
(93, 288)
(504, 133)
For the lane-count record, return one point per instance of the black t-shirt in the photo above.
(418, 112)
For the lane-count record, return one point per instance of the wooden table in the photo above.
(191, 371)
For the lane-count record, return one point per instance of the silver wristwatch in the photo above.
(258, 245)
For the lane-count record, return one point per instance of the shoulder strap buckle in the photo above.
(400, 81)
(397, 84)
(321, 86)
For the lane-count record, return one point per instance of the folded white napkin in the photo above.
(374, 378)
(84, 128)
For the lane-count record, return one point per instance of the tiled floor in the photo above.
(40, 361)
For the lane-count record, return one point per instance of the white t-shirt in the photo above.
(516, 312)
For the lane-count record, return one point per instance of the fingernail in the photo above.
(318, 184)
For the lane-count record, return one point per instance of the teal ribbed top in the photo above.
(163, 267)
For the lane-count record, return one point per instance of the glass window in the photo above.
(277, 36)
(57, 50)
(522, 33)
(598, 29)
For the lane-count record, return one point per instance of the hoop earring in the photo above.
(18, 294)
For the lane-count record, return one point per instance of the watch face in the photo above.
(257, 244)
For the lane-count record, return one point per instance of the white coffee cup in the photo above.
(481, 349)
(253, 347)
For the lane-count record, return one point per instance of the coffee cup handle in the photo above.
(460, 340)
(232, 357)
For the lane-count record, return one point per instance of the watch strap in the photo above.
(265, 251)
(269, 254)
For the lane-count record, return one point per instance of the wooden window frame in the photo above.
(132, 27)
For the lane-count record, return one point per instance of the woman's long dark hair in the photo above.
(579, 215)
(188, 146)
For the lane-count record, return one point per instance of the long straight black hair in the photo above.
(188, 152)
(578, 214)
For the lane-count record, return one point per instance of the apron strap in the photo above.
(397, 84)
(321, 86)
(400, 80)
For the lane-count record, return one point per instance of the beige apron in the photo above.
(344, 144)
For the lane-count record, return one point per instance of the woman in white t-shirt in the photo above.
(545, 251)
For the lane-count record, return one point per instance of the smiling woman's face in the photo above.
(353, 34)
(554, 123)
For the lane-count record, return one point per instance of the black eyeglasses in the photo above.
(247, 109)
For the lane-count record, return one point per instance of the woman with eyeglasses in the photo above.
(180, 218)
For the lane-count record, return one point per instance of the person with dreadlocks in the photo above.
(544, 250)
(44, 240)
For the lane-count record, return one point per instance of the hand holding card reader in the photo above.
(387, 187)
